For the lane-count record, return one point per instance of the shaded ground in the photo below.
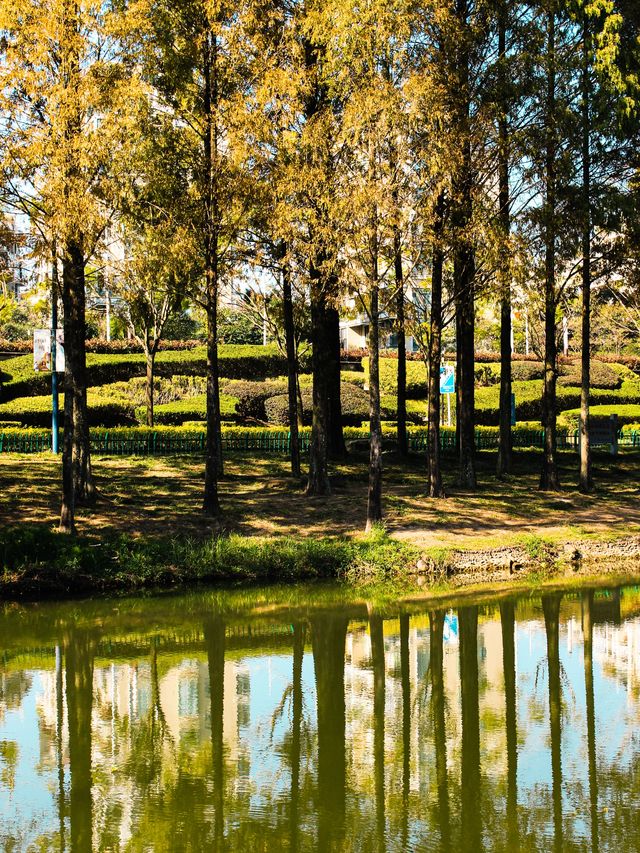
(159, 496)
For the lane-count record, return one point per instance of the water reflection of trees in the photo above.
(442, 717)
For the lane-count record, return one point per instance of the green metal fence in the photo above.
(267, 441)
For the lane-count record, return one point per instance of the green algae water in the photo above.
(306, 720)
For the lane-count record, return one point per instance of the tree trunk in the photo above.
(337, 447)
(77, 480)
(150, 356)
(328, 640)
(214, 638)
(504, 272)
(471, 805)
(292, 368)
(374, 501)
(587, 630)
(464, 265)
(378, 665)
(405, 678)
(464, 274)
(79, 658)
(551, 609)
(211, 505)
(549, 476)
(507, 620)
(318, 483)
(435, 352)
(439, 711)
(296, 733)
(585, 383)
(403, 445)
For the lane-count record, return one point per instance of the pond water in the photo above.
(305, 719)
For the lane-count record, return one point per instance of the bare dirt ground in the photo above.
(162, 496)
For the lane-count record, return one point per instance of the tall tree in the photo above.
(160, 263)
(197, 58)
(65, 91)
(504, 269)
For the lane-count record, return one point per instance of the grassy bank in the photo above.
(35, 560)
(147, 528)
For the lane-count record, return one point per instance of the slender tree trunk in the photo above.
(150, 356)
(504, 272)
(292, 368)
(374, 502)
(464, 271)
(377, 663)
(405, 678)
(435, 352)
(211, 505)
(328, 639)
(79, 658)
(403, 445)
(549, 476)
(214, 637)
(471, 806)
(438, 702)
(551, 609)
(296, 733)
(77, 480)
(318, 483)
(587, 630)
(337, 446)
(585, 444)
(507, 620)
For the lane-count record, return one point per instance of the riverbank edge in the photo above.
(37, 562)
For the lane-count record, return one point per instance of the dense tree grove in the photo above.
(470, 150)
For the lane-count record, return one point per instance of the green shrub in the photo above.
(235, 362)
(627, 414)
(416, 377)
(354, 401)
(36, 411)
(602, 376)
(526, 371)
(252, 396)
(191, 409)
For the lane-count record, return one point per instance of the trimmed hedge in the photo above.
(36, 411)
(602, 376)
(627, 415)
(235, 362)
(252, 396)
(354, 400)
(190, 409)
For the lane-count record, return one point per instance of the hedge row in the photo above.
(235, 362)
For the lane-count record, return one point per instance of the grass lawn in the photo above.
(149, 497)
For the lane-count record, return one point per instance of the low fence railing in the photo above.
(108, 443)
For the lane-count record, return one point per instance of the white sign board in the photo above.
(60, 363)
(447, 379)
(42, 350)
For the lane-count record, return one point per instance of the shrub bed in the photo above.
(354, 400)
(191, 409)
(36, 411)
(627, 414)
(252, 396)
(235, 362)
